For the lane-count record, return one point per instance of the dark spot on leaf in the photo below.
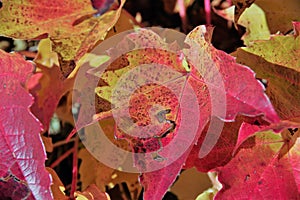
(259, 182)
(0, 4)
(247, 177)
(256, 123)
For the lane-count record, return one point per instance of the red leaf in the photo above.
(188, 98)
(49, 89)
(263, 170)
(22, 170)
(157, 183)
(222, 151)
(232, 136)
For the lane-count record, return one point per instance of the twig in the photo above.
(74, 171)
(28, 54)
(57, 144)
(61, 158)
(182, 14)
(207, 11)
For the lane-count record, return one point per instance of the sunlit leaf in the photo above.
(253, 19)
(104, 176)
(260, 172)
(282, 78)
(240, 7)
(22, 169)
(202, 59)
(280, 14)
(280, 49)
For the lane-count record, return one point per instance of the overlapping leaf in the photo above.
(104, 175)
(31, 19)
(83, 38)
(240, 7)
(253, 19)
(279, 70)
(90, 193)
(203, 60)
(22, 170)
(279, 15)
(280, 49)
(69, 24)
(48, 86)
(262, 170)
(222, 151)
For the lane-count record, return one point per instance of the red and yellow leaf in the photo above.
(276, 62)
(204, 61)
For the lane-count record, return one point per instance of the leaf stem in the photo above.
(182, 14)
(75, 169)
(60, 143)
(61, 158)
(207, 11)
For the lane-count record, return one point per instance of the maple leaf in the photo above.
(47, 86)
(276, 18)
(90, 193)
(279, 49)
(202, 58)
(104, 175)
(222, 151)
(22, 169)
(70, 25)
(282, 77)
(31, 19)
(84, 37)
(262, 169)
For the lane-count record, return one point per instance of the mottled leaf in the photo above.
(70, 25)
(260, 171)
(22, 169)
(83, 38)
(206, 64)
(280, 49)
(104, 175)
(283, 77)
(31, 19)
(279, 14)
